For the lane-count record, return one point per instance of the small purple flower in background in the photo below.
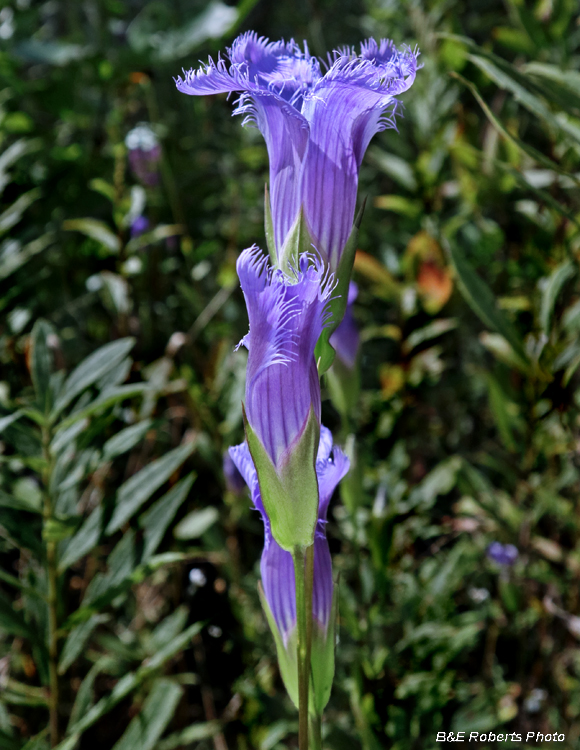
(277, 567)
(317, 126)
(139, 226)
(144, 153)
(502, 554)
(286, 317)
(346, 339)
(235, 482)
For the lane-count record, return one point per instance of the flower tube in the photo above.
(317, 126)
(277, 572)
(287, 313)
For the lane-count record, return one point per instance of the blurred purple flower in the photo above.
(234, 480)
(287, 315)
(346, 339)
(316, 126)
(144, 153)
(502, 554)
(139, 225)
(276, 566)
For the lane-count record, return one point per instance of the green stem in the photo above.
(303, 575)
(52, 599)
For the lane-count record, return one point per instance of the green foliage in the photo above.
(129, 610)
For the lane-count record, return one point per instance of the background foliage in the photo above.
(128, 569)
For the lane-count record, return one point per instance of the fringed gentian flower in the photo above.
(317, 125)
(277, 572)
(144, 153)
(287, 313)
(346, 339)
(503, 554)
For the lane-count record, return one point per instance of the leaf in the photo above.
(130, 681)
(13, 261)
(9, 419)
(161, 232)
(96, 230)
(536, 155)
(139, 488)
(126, 439)
(168, 629)
(429, 332)
(156, 520)
(41, 362)
(76, 641)
(121, 565)
(13, 214)
(148, 726)
(556, 281)
(12, 622)
(108, 398)
(91, 369)
(480, 298)
(86, 538)
(524, 96)
(204, 730)
(196, 523)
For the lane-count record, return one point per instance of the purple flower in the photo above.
(234, 480)
(144, 153)
(346, 339)
(139, 225)
(502, 554)
(316, 125)
(276, 566)
(287, 315)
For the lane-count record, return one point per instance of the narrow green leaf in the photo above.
(139, 488)
(14, 261)
(204, 730)
(13, 213)
(156, 520)
(76, 641)
(108, 398)
(480, 298)
(132, 680)
(196, 523)
(96, 230)
(298, 241)
(538, 156)
(12, 622)
(556, 281)
(148, 726)
(91, 369)
(161, 232)
(522, 95)
(126, 439)
(86, 538)
(41, 363)
(9, 419)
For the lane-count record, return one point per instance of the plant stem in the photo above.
(52, 600)
(303, 575)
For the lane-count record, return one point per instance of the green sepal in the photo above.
(297, 242)
(324, 353)
(322, 660)
(287, 656)
(289, 492)
(322, 657)
(269, 227)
